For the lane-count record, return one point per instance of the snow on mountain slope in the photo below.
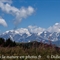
(34, 33)
(17, 35)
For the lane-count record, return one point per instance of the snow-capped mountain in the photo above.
(44, 36)
(20, 37)
(34, 33)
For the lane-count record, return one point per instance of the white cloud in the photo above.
(54, 28)
(3, 22)
(39, 30)
(18, 13)
(35, 29)
(30, 29)
(23, 13)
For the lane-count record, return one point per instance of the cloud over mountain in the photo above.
(35, 29)
(22, 31)
(54, 28)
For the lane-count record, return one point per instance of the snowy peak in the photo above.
(24, 34)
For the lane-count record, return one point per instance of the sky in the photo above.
(15, 14)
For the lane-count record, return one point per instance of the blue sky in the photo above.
(44, 13)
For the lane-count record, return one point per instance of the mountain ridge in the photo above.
(44, 36)
(34, 33)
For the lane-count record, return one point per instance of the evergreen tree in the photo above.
(2, 41)
(14, 43)
(8, 42)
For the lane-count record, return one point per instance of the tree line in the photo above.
(7, 43)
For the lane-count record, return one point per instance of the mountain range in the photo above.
(26, 35)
